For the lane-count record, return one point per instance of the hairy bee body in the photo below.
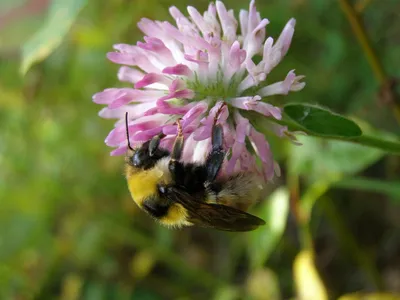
(144, 188)
(149, 191)
(182, 194)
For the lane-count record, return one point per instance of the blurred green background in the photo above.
(69, 229)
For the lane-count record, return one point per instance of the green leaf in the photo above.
(15, 34)
(322, 122)
(318, 158)
(390, 188)
(264, 240)
(61, 16)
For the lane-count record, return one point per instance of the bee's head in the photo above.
(145, 156)
(142, 159)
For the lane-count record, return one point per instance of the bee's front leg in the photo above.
(216, 157)
(155, 143)
(175, 166)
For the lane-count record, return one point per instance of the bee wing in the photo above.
(216, 216)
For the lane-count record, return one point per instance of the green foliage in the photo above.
(68, 228)
(321, 122)
(263, 241)
(318, 158)
(59, 20)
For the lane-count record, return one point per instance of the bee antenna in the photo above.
(127, 131)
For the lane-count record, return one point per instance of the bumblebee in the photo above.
(183, 194)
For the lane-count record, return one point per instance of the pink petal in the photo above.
(254, 103)
(237, 149)
(267, 109)
(262, 149)
(177, 85)
(158, 47)
(179, 69)
(155, 45)
(242, 130)
(167, 142)
(243, 17)
(180, 19)
(130, 95)
(166, 108)
(201, 150)
(200, 57)
(121, 58)
(247, 103)
(252, 18)
(151, 78)
(228, 22)
(236, 56)
(255, 39)
(223, 116)
(129, 74)
(247, 162)
(149, 27)
(118, 134)
(134, 111)
(190, 116)
(291, 83)
(183, 94)
(286, 36)
(146, 135)
(199, 109)
(118, 97)
(106, 96)
(132, 56)
(198, 20)
(202, 133)
(190, 145)
(119, 151)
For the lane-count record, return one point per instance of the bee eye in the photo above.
(138, 158)
(162, 189)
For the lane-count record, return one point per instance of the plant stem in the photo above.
(377, 67)
(365, 140)
(374, 142)
(301, 217)
(361, 5)
(364, 41)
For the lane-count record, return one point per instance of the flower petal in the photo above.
(179, 69)
(261, 146)
(291, 83)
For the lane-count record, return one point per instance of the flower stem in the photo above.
(300, 216)
(360, 5)
(377, 67)
(363, 39)
(374, 142)
(365, 140)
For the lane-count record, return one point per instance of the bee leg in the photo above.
(155, 143)
(176, 167)
(177, 149)
(216, 157)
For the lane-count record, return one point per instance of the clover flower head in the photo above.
(187, 71)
